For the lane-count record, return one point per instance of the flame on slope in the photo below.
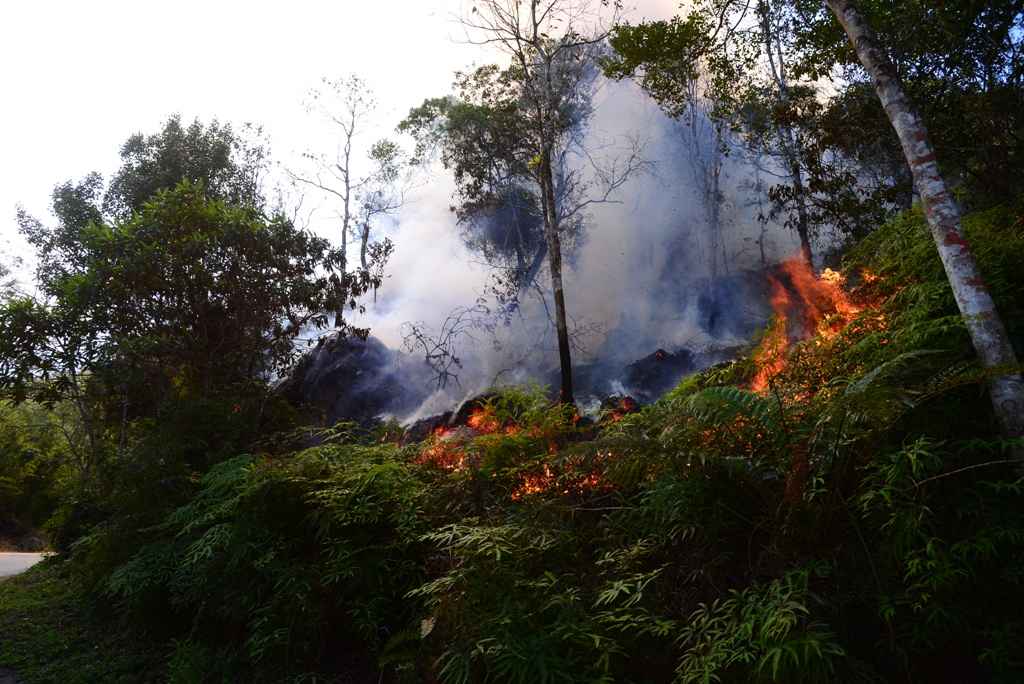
(622, 407)
(770, 356)
(483, 420)
(449, 448)
(445, 449)
(571, 481)
(534, 483)
(823, 307)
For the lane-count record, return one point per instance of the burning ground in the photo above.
(835, 505)
(611, 540)
(811, 313)
(365, 382)
(532, 447)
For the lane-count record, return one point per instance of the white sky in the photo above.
(77, 78)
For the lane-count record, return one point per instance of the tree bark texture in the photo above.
(986, 328)
(788, 146)
(565, 394)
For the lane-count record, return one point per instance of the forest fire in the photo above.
(484, 420)
(803, 305)
(445, 449)
(452, 449)
(771, 354)
(617, 407)
(446, 446)
(544, 481)
(534, 484)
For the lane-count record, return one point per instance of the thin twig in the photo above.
(966, 468)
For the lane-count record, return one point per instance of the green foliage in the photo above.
(961, 66)
(227, 164)
(155, 295)
(492, 133)
(763, 632)
(479, 136)
(919, 299)
(305, 556)
(860, 521)
(165, 304)
(668, 57)
(761, 69)
(35, 467)
(50, 636)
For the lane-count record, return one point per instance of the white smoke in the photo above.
(632, 285)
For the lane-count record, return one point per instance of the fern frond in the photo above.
(720, 405)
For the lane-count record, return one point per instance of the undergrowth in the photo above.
(50, 635)
(861, 521)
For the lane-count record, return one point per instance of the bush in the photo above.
(858, 522)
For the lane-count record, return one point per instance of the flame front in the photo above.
(444, 450)
(821, 304)
(771, 355)
(452, 449)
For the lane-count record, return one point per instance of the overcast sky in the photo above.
(78, 77)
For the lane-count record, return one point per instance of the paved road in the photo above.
(13, 563)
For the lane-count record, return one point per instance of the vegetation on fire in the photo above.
(840, 504)
(827, 528)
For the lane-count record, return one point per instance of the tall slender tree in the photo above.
(365, 192)
(774, 22)
(541, 38)
(1006, 386)
(547, 43)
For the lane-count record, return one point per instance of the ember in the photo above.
(455, 449)
(570, 483)
(445, 448)
(534, 484)
(615, 407)
(482, 419)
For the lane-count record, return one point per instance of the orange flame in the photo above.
(534, 484)
(571, 482)
(446, 446)
(449, 448)
(444, 450)
(771, 355)
(482, 419)
(623, 407)
(824, 309)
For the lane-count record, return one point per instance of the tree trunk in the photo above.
(339, 314)
(715, 199)
(529, 273)
(363, 244)
(346, 220)
(788, 140)
(565, 394)
(988, 334)
(799, 194)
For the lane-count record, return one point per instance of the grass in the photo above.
(47, 635)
